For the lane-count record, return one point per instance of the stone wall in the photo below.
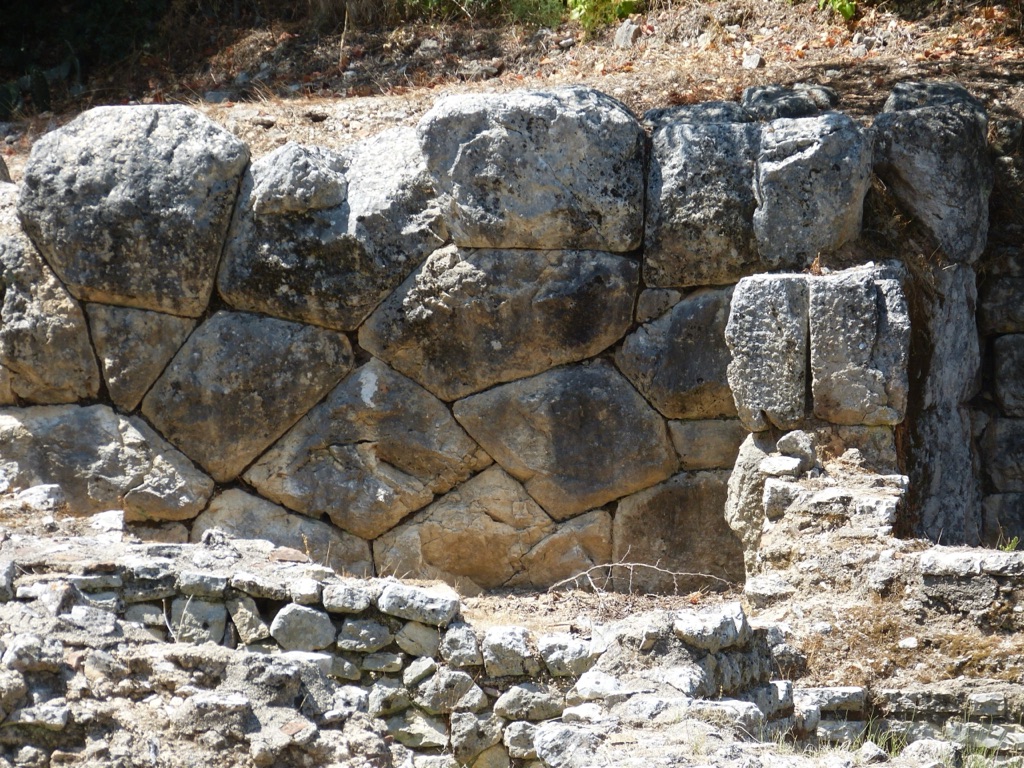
(515, 344)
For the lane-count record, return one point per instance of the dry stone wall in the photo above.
(517, 343)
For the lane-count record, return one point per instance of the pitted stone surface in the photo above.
(508, 652)
(469, 319)
(198, 621)
(241, 514)
(321, 237)
(1009, 373)
(707, 443)
(546, 431)
(771, 102)
(767, 335)
(134, 346)
(299, 628)
(560, 168)
(435, 605)
(239, 383)
(376, 450)
(45, 354)
(119, 463)
(812, 176)
(700, 197)
(130, 205)
(679, 361)
(744, 506)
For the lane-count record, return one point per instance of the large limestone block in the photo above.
(44, 341)
(812, 176)
(475, 537)
(469, 319)
(560, 168)
(700, 198)
(130, 205)
(707, 443)
(860, 342)
(679, 361)
(134, 346)
(1008, 352)
(375, 451)
(767, 335)
(321, 237)
(934, 158)
(101, 460)
(579, 546)
(679, 528)
(245, 516)
(577, 436)
(239, 383)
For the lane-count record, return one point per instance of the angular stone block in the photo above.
(679, 361)
(101, 460)
(707, 444)
(243, 515)
(771, 102)
(469, 319)
(700, 199)
(1001, 305)
(679, 528)
(377, 449)
(134, 346)
(577, 547)
(552, 432)
(1008, 352)
(559, 168)
(812, 176)
(949, 329)
(45, 354)
(239, 383)
(1002, 450)
(321, 237)
(131, 205)
(767, 335)
(860, 345)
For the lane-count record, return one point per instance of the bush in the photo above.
(592, 14)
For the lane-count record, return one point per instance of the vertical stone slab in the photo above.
(1009, 373)
(767, 335)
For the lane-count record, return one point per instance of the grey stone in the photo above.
(704, 113)
(1004, 517)
(118, 463)
(244, 515)
(201, 584)
(383, 662)
(435, 605)
(45, 352)
(934, 159)
(466, 320)
(700, 200)
(447, 691)
(812, 176)
(780, 466)
(707, 443)
(245, 615)
(130, 205)
(564, 655)
(565, 746)
(378, 448)
(197, 621)
(545, 430)
(678, 529)
(386, 697)
(305, 591)
(347, 597)
(321, 237)
(931, 752)
(770, 102)
(134, 346)
(418, 670)
(350, 699)
(508, 653)
(851, 698)
(460, 647)
(5, 175)
(26, 652)
(1001, 305)
(744, 506)
(767, 335)
(778, 496)
(417, 730)
(529, 701)
(1002, 453)
(654, 302)
(576, 547)
(715, 630)
(268, 587)
(300, 628)
(518, 739)
(7, 571)
(911, 95)
(1008, 352)
(627, 35)
(801, 445)
(561, 168)
(679, 361)
(860, 346)
(472, 734)
(418, 639)
(363, 636)
(223, 408)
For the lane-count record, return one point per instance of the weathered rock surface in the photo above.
(576, 547)
(299, 628)
(240, 514)
(44, 342)
(1008, 352)
(134, 346)
(744, 506)
(321, 237)
(934, 158)
(5, 175)
(700, 197)
(469, 319)
(240, 382)
(771, 102)
(1001, 305)
(767, 335)
(561, 168)
(118, 463)
(679, 361)
(375, 451)
(860, 344)
(1003, 454)
(130, 205)
(707, 444)
(812, 176)
(547, 431)
(678, 528)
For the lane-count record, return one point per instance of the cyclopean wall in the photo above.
(502, 348)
